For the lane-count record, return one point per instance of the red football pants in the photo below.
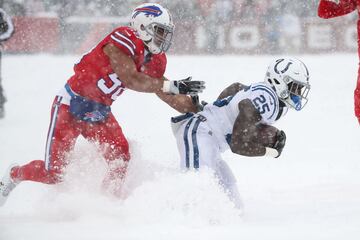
(63, 132)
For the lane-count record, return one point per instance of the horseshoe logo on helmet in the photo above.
(284, 70)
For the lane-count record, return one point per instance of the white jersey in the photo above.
(221, 115)
(202, 137)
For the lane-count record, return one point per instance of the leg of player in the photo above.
(190, 142)
(115, 149)
(199, 149)
(228, 181)
(60, 140)
(210, 157)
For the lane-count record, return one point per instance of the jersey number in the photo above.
(261, 105)
(116, 87)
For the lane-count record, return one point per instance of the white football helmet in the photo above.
(290, 79)
(154, 26)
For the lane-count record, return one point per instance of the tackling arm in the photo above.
(125, 69)
(331, 8)
(181, 103)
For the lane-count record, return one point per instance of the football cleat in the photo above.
(6, 186)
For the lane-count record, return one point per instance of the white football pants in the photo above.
(198, 148)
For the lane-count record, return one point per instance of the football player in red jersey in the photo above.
(128, 58)
(336, 8)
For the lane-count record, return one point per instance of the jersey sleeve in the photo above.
(157, 66)
(265, 101)
(330, 8)
(125, 40)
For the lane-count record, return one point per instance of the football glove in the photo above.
(280, 142)
(196, 101)
(185, 86)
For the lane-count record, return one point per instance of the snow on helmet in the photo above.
(290, 79)
(154, 25)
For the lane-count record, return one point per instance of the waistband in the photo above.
(69, 90)
(187, 116)
(66, 97)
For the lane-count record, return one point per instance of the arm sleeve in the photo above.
(124, 41)
(330, 9)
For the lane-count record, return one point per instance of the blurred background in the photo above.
(202, 26)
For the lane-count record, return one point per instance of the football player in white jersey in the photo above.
(232, 120)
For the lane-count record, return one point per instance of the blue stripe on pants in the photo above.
(195, 145)
(186, 141)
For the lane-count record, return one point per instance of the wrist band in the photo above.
(166, 86)
(271, 152)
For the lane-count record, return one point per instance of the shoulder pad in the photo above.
(126, 38)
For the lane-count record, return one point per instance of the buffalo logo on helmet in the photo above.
(151, 10)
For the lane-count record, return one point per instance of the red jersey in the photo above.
(331, 9)
(94, 77)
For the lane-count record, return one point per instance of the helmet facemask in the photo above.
(297, 93)
(154, 25)
(290, 80)
(161, 37)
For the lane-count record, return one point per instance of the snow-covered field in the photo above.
(311, 192)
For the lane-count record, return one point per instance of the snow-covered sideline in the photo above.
(311, 192)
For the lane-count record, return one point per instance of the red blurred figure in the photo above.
(335, 8)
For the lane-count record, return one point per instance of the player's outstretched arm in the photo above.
(125, 68)
(335, 8)
(181, 103)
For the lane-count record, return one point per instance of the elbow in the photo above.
(128, 78)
